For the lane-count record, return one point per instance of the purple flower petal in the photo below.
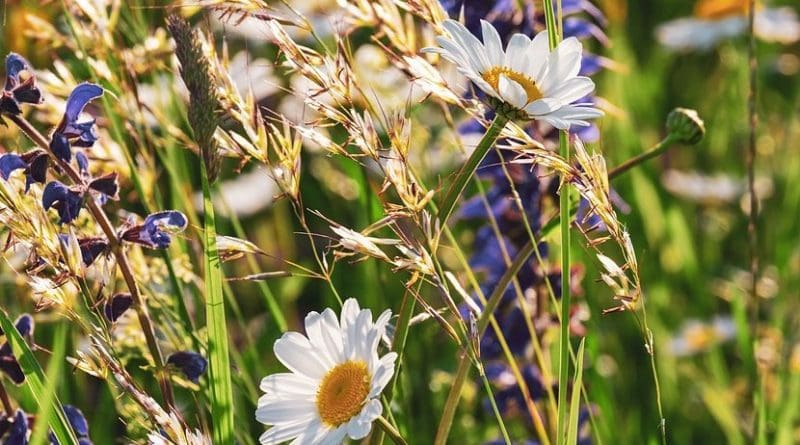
(117, 305)
(91, 248)
(10, 162)
(18, 434)
(24, 325)
(79, 98)
(107, 185)
(83, 163)
(191, 364)
(77, 420)
(68, 202)
(60, 147)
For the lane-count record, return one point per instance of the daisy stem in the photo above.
(390, 431)
(116, 247)
(563, 344)
(468, 170)
(554, 37)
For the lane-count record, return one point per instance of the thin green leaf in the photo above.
(219, 359)
(35, 382)
(54, 366)
(575, 403)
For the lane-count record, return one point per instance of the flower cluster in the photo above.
(81, 189)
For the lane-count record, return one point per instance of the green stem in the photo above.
(398, 346)
(656, 150)
(564, 215)
(466, 172)
(563, 361)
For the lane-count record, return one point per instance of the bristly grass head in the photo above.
(204, 103)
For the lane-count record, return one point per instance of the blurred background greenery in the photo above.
(687, 219)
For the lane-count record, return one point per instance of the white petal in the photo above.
(573, 89)
(562, 64)
(472, 47)
(359, 426)
(325, 336)
(493, 43)
(512, 92)
(313, 324)
(382, 374)
(483, 85)
(452, 52)
(285, 411)
(282, 433)
(537, 54)
(288, 383)
(360, 334)
(543, 106)
(378, 329)
(570, 115)
(515, 53)
(333, 437)
(296, 353)
(315, 431)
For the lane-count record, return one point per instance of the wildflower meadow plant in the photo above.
(398, 221)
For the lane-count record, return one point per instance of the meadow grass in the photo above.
(363, 170)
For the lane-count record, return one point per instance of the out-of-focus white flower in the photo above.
(712, 189)
(385, 83)
(236, 195)
(717, 20)
(336, 379)
(696, 336)
(253, 75)
(527, 77)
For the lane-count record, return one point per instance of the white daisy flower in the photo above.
(335, 381)
(527, 78)
(717, 20)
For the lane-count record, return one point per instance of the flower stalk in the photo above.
(468, 170)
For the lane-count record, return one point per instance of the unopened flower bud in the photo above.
(686, 126)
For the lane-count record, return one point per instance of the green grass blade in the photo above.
(54, 367)
(575, 403)
(34, 385)
(219, 359)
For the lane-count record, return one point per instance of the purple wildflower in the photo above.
(71, 131)
(18, 90)
(157, 229)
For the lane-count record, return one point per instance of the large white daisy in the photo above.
(527, 78)
(335, 381)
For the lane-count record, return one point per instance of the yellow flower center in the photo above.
(492, 77)
(343, 391)
(720, 9)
